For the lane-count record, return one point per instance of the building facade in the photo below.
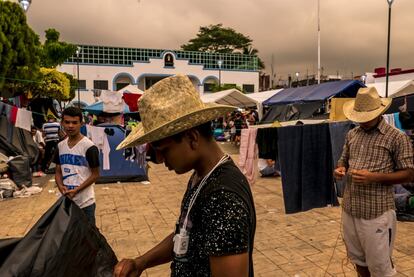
(112, 68)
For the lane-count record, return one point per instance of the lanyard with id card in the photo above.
(181, 240)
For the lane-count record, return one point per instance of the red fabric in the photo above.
(13, 115)
(131, 99)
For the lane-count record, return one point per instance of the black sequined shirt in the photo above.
(222, 221)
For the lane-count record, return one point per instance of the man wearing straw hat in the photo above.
(375, 157)
(215, 230)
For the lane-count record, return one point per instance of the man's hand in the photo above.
(71, 193)
(339, 172)
(363, 176)
(63, 189)
(128, 268)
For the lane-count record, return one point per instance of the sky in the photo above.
(353, 32)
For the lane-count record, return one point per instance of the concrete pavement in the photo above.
(134, 217)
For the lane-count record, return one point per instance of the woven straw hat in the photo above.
(367, 105)
(169, 107)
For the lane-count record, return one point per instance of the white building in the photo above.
(112, 68)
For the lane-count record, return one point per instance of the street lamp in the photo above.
(297, 79)
(25, 4)
(78, 51)
(220, 63)
(388, 46)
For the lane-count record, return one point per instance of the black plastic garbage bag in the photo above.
(61, 244)
(19, 168)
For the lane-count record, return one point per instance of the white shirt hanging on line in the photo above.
(98, 136)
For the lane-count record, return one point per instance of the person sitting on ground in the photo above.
(214, 233)
(267, 168)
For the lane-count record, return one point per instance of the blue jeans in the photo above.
(90, 213)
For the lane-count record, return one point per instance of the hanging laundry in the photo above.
(24, 119)
(98, 136)
(112, 101)
(131, 99)
(305, 156)
(11, 112)
(248, 154)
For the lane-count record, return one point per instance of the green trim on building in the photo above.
(119, 56)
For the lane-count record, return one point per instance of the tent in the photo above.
(321, 92)
(121, 169)
(309, 101)
(232, 97)
(97, 108)
(131, 89)
(403, 97)
(262, 96)
(395, 88)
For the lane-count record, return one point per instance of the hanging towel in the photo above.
(98, 136)
(112, 101)
(248, 154)
(24, 119)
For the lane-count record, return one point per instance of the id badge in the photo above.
(181, 241)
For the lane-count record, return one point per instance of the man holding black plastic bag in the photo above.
(77, 164)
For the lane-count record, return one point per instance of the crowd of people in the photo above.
(215, 230)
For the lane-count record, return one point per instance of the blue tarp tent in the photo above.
(121, 170)
(308, 102)
(97, 108)
(321, 92)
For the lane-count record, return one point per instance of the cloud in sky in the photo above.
(353, 32)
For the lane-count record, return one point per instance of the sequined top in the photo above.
(222, 221)
(383, 149)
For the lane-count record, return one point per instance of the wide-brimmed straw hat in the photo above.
(169, 107)
(367, 105)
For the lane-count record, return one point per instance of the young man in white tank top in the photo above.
(77, 164)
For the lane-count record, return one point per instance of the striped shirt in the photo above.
(383, 149)
(51, 131)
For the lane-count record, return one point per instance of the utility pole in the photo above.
(319, 46)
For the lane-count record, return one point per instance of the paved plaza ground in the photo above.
(134, 217)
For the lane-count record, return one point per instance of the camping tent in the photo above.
(309, 101)
(232, 97)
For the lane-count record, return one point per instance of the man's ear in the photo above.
(193, 138)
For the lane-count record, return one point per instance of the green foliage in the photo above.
(254, 52)
(73, 85)
(19, 50)
(55, 52)
(217, 39)
(54, 84)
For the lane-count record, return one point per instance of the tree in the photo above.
(53, 84)
(20, 50)
(55, 52)
(217, 39)
(254, 52)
